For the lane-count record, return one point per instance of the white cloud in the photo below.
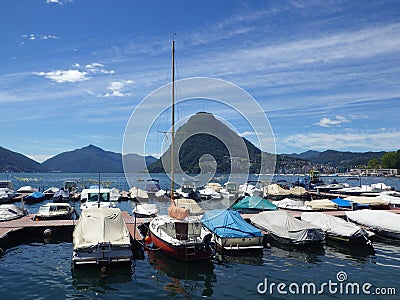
(116, 89)
(33, 37)
(354, 140)
(65, 75)
(327, 122)
(97, 68)
(59, 2)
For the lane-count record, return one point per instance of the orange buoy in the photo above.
(147, 240)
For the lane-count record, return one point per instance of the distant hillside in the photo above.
(305, 155)
(345, 159)
(92, 159)
(15, 162)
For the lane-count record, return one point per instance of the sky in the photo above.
(73, 72)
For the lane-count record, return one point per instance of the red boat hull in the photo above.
(184, 251)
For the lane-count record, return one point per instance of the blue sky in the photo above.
(326, 73)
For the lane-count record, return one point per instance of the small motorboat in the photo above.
(230, 232)
(338, 229)
(145, 210)
(49, 193)
(286, 229)
(381, 222)
(230, 191)
(96, 197)
(101, 238)
(253, 204)
(27, 189)
(291, 204)
(276, 192)
(34, 197)
(11, 212)
(208, 193)
(61, 196)
(138, 194)
(321, 204)
(54, 211)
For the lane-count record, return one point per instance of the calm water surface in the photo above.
(43, 270)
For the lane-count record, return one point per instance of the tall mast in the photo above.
(173, 122)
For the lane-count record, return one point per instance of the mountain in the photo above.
(345, 159)
(92, 159)
(203, 137)
(15, 162)
(304, 155)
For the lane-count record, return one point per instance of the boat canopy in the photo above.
(367, 200)
(283, 224)
(100, 225)
(190, 204)
(10, 212)
(254, 202)
(227, 223)
(321, 204)
(276, 190)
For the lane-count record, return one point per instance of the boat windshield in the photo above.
(104, 197)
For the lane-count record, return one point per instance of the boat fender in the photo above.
(47, 233)
(147, 240)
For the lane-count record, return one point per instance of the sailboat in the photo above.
(179, 234)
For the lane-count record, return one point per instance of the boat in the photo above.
(392, 197)
(372, 202)
(152, 186)
(250, 189)
(338, 229)
(276, 192)
(115, 195)
(291, 204)
(138, 194)
(54, 211)
(365, 189)
(96, 197)
(188, 190)
(321, 204)
(230, 191)
(298, 192)
(27, 189)
(34, 197)
(348, 204)
(253, 204)
(61, 196)
(208, 193)
(7, 191)
(190, 205)
(381, 222)
(178, 234)
(145, 210)
(10, 212)
(72, 187)
(49, 193)
(286, 229)
(101, 237)
(230, 232)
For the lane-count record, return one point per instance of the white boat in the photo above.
(379, 221)
(338, 229)
(291, 204)
(208, 193)
(101, 237)
(365, 189)
(49, 193)
(11, 212)
(392, 197)
(249, 189)
(54, 211)
(115, 195)
(138, 194)
(286, 229)
(7, 191)
(230, 191)
(372, 201)
(145, 210)
(96, 198)
(188, 190)
(275, 191)
(27, 189)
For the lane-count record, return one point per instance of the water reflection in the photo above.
(254, 258)
(183, 278)
(100, 281)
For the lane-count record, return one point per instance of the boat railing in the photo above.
(104, 250)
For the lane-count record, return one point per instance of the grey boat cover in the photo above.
(98, 225)
(10, 212)
(379, 220)
(284, 225)
(332, 225)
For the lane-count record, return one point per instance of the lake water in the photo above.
(39, 270)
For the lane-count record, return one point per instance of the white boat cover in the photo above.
(10, 212)
(146, 209)
(190, 204)
(284, 225)
(291, 204)
(367, 200)
(330, 224)
(100, 225)
(379, 220)
(214, 186)
(321, 204)
(138, 193)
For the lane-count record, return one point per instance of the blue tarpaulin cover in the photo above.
(227, 223)
(342, 203)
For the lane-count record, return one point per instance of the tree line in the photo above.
(390, 160)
